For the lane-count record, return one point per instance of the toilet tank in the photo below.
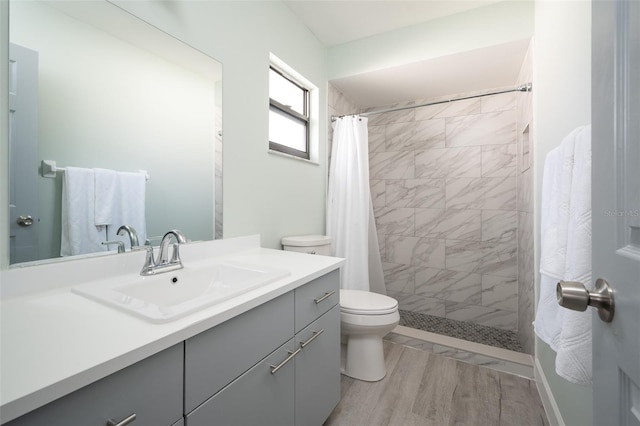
(311, 244)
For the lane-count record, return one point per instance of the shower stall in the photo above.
(451, 189)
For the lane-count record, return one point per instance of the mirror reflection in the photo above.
(131, 115)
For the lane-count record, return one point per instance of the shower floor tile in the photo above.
(462, 330)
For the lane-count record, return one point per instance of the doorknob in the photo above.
(574, 295)
(25, 220)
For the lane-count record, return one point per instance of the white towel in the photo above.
(80, 235)
(120, 200)
(566, 253)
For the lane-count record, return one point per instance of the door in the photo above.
(616, 208)
(23, 154)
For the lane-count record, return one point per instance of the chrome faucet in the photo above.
(133, 235)
(163, 254)
(152, 266)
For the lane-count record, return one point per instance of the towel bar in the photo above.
(49, 169)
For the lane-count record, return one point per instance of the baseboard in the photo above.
(548, 401)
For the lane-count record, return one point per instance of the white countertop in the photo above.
(54, 342)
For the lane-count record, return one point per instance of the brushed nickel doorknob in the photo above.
(24, 221)
(575, 296)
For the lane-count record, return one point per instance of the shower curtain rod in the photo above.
(523, 88)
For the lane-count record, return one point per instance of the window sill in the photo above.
(293, 157)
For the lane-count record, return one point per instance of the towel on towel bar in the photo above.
(80, 234)
(566, 253)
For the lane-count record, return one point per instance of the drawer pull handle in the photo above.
(123, 422)
(312, 338)
(275, 368)
(326, 295)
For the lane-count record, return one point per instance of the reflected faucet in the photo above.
(152, 266)
(133, 235)
(120, 245)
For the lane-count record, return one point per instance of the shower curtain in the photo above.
(350, 219)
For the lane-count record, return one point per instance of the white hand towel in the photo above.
(566, 253)
(79, 232)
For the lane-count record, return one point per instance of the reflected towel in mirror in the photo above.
(79, 233)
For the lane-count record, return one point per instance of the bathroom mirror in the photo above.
(109, 91)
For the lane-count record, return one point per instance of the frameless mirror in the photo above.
(94, 87)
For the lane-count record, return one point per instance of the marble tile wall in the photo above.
(444, 188)
(524, 203)
(454, 208)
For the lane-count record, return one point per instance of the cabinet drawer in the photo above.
(216, 357)
(318, 369)
(151, 389)
(316, 298)
(258, 397)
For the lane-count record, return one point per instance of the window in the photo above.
(288, 115)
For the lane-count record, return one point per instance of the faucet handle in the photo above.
(175, 256)
(149, 263)
(148, 260)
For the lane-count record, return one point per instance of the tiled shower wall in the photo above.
(453, 200)
(526, 296)
(443, 181)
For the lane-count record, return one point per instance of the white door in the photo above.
(616, 208)
(23, 154)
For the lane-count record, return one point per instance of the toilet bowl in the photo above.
(365, 318)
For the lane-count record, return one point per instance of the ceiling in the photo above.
(337, 22)
(340, 21)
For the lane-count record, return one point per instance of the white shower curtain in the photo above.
(350, 220)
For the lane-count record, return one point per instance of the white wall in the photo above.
(562, 102)
(482, 27)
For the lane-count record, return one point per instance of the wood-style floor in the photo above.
(423, 388)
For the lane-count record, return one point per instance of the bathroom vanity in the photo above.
(268, 356)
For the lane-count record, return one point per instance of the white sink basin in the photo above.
(171, 295)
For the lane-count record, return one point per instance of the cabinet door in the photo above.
(258, 397)
(318, 369)
(151, 389)
(316, 298)
(216, 357)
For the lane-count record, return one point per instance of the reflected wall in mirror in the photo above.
(109, 91)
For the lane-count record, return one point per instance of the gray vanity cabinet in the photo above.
(151, 389)
(305, 387)
(318, 369)
(216, 357)
(258, 397)
(316, 298)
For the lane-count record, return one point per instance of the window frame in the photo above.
(294, 116)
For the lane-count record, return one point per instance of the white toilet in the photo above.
(365, 318)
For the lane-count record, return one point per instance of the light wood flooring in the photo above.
(423, 388)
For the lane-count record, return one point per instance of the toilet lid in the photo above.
(366, 303)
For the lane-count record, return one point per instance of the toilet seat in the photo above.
(358, 302)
